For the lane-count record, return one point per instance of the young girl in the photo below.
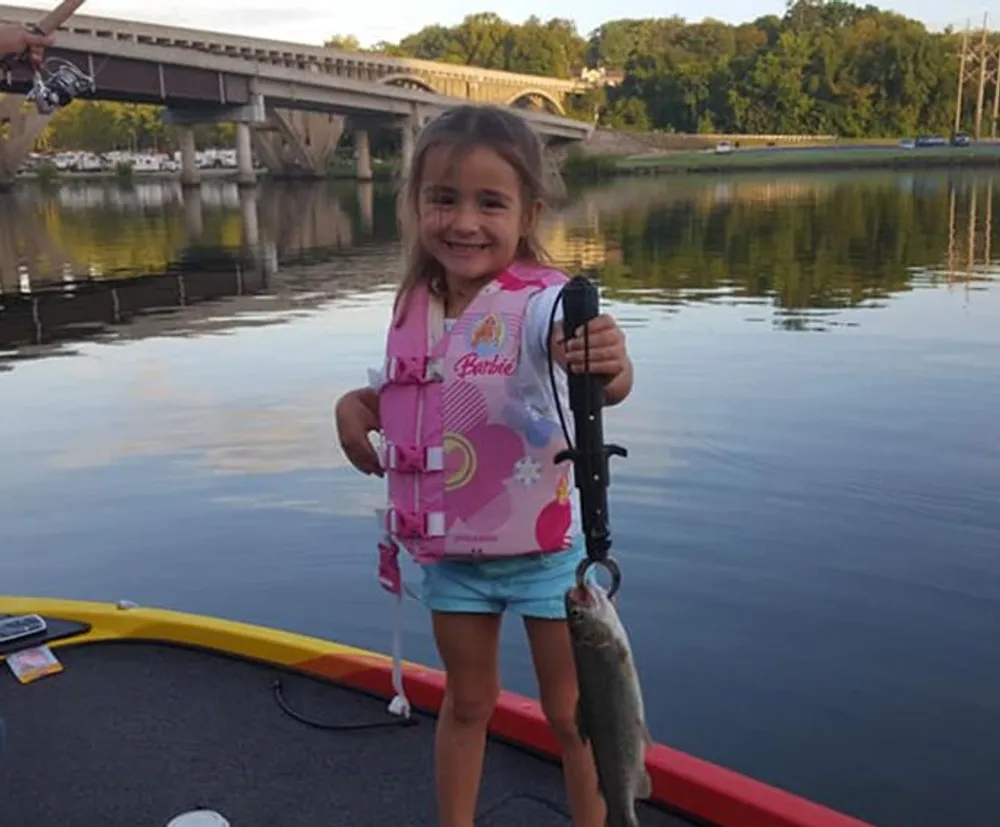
(470, 429)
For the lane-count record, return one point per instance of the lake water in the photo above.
(808, 519)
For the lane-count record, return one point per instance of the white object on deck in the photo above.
(199, 818)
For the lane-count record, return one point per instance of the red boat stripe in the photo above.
(680, 781)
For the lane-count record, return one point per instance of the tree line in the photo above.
(100, 126)
(823, 67)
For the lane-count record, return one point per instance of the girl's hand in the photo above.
(605, 355)
(357, 415)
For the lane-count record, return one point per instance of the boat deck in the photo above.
(133, 734)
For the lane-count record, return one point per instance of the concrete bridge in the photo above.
(293, 101)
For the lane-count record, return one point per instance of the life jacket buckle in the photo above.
(414, 370)
(410, 525)
(412, 458)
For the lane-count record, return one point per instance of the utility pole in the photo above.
(972, 56)
(995, 76)
(964, 59)
(983, 60)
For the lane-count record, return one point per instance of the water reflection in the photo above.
(801, 246)
(970, 231)
(82, 259)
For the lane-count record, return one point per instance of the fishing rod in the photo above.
(59, 15)
(590, 454)
(62, 81)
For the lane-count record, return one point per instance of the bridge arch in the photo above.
(407, 79)
(526, 95)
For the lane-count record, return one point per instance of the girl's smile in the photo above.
(472, 214)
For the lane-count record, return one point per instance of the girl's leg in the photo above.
(552, 654)
(467, 643)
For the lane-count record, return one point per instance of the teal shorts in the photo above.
(531, 586)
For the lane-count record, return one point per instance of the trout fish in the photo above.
(610, 715)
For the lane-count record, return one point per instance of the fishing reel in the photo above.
(57, 84)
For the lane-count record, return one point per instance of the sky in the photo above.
(302, 21)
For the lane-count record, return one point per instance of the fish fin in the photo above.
(644, 788)
(581, 727)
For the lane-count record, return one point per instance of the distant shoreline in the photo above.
(590, 167)
(791, 159)
(112, 175)
(339, 172)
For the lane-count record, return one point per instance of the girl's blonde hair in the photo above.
(463, 129)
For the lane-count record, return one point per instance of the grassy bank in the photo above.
(584, 167)
(339, 168)
(49, 174)
(345, 169)
(793, 158)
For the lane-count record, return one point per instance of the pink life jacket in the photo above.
(470, 467)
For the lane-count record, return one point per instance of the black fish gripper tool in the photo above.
(589, 455)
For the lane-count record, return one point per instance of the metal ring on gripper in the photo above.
(608, 564)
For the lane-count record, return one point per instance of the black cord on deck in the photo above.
(396, 721)
(485, 815)
(489, 812)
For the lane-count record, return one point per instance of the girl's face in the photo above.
(471, 214)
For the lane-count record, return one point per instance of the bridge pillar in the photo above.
(190, 174)
(244, 156)
(194, 220)
(244, 117)
(363, 158)
(248, 211)
(553, 155)
(24, 125)
(366, 205)
(299, 143)
(409, 140)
